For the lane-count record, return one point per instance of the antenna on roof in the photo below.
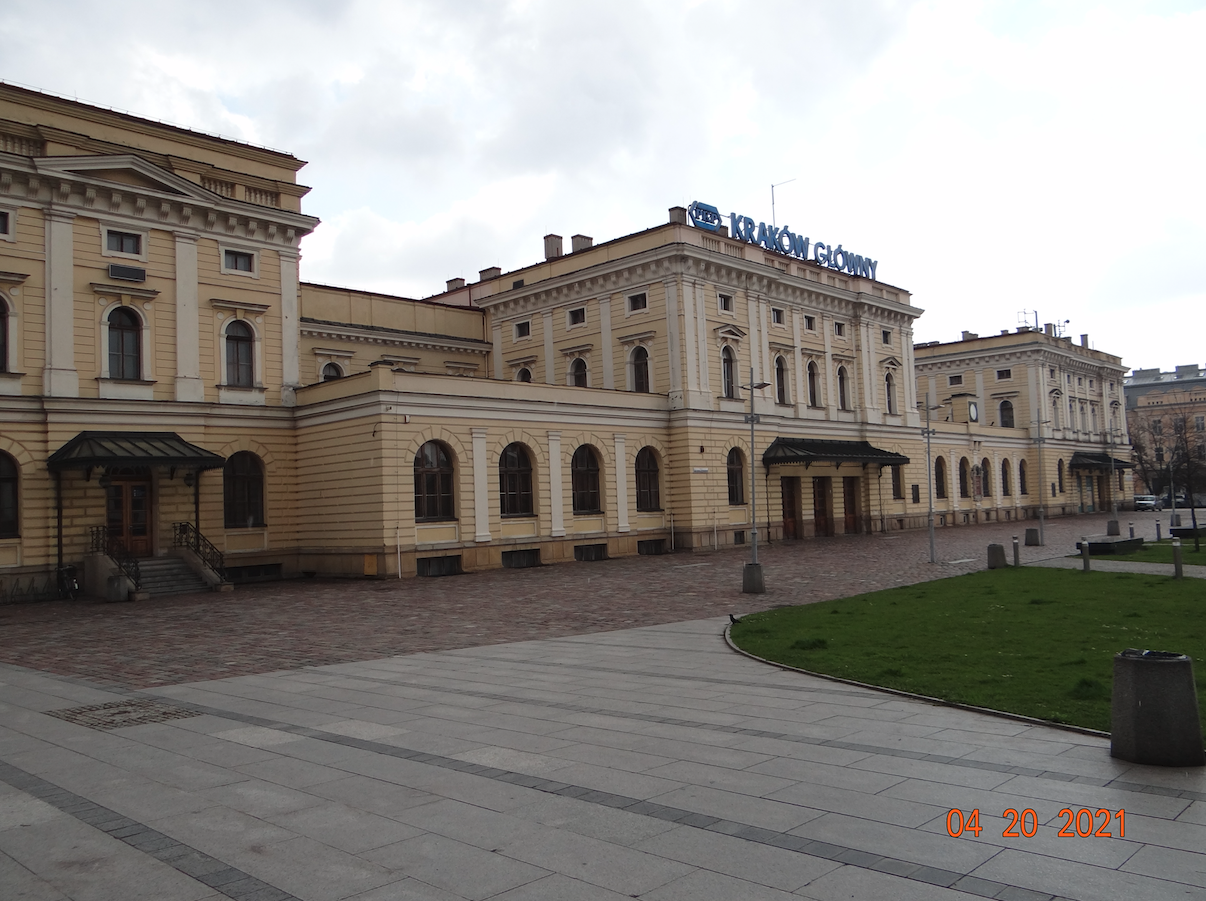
(1024, 318)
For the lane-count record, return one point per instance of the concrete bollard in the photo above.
(1178, 571)
(1032, 539)
(1154, 710)
(1175, 521)
(1131, 526)
(1017, 554)
(996, 556)
(1112, 528)
(1157, 530)
(1084, 552)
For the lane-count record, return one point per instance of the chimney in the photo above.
(486, 274)
(454, 283)
(1004, 331)
(581, 242)
(1084, 340)
(969, 336)
(678, 215)
(1049, 329)
(553, 247)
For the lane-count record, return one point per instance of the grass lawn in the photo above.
(1161, 552)
(1033, 641)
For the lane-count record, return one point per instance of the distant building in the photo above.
(1166, 413)
(1027, 395)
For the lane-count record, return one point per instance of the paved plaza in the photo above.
(570, 733)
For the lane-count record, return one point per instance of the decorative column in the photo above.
(496, 335)
(550, 376)
(189, 386)
(481, 486)
(59, 378)
(609, 376)
(290, 328)
(672, 340)
(621, 476)
(556, 502)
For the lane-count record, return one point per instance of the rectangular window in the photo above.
(776, 316)
(236, 261)
(1199, 423)
(897, 484)
(887, 336)
(1158, 427)
(1003, 374)
(1079, 382)
(1050, 373)
(637, 302)
(726, 302)
(955, 380)
(839, 329)
(124, 242)
(578, 316)
(3, 223)
(1159, 455)
(917, 494)
(523, 330)
(810, 323)
(1090, 383)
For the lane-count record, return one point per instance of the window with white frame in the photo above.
(839, 329)
(954, 381)
(810, 323)
(725, 302)
(5, 223)
(239, 261)
(638, 302)
(1004, 374)
(123, 242)
(523, 330)
(777, 316)
(240, 355)
(886, 334)
(575, 317)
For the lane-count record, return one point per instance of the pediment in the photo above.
(729, 331)
(891, 362)
(128, 170)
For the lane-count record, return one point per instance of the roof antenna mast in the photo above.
(779, 185)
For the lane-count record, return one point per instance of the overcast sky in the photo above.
(993, 157)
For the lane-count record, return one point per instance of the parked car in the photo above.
(1148, 502)
(1182, 500)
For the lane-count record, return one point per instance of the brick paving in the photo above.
(285, 625)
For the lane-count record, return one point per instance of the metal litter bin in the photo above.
(1155, 717)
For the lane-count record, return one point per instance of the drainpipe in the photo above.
(197, 502)
(58, 502)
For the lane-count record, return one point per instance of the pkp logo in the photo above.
(704, 216)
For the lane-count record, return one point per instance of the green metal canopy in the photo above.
(99, 449)
(1082, 460)
(819, 450)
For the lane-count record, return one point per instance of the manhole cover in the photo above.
(117, 714)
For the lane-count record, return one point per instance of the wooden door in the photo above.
(790, 487)
(128, 515)
(822, 506)
(850, 504)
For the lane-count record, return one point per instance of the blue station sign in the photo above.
(782, 240)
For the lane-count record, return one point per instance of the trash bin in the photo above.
(1155, 717)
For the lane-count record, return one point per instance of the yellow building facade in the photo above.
(170, 387)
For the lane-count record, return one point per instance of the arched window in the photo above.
(584, 475)
(3, 336)
(125, 344)
(1059, 474)
(243, 491)
(240, 361)
(647, 489)
(331, 371)
(986, 477)
(728, 372)
(1005, 484)
(940, 478)
(8, 497)
(814, 386)
(736, 467)
(433, 483)
(843, 389)
(1055, 413)
(890, 391)
(640, 370)
(1022, 477)
(780, 380)
(515, 481)
(964, 480)
(578, 373)
(1006, 419)
(524, 375)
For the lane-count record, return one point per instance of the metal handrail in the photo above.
(116, 550)
(185, 535)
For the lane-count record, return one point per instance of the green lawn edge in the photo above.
(1160, 552)
(1032, 642)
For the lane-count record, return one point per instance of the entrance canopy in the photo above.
(810, 450)
(1098, 461)
(95, 450)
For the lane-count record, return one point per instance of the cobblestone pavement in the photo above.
(262, 628)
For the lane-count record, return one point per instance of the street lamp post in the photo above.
(1040, 440)
(929, 470)
(751, 576)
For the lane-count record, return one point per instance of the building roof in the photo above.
(1083, 460)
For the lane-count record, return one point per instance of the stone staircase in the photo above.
(169, 575)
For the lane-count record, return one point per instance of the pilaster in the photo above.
(189, 386)
(621, 476)
(550, 373)
(59, 377)
(481, 487)
(290, 328)
(556, 499)
(609, 376)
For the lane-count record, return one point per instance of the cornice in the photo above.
(392, 339)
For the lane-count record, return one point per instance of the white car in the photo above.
(1148, 502)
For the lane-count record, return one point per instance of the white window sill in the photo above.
(126, 389)
(249, 397)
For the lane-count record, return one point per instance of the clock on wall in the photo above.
(973, 412)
